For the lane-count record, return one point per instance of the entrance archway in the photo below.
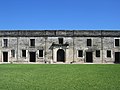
(89, 57)
(32, 56)
(60, 55)
(117, 57)
(5, 56)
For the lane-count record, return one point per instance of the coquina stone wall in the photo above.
(48, 41)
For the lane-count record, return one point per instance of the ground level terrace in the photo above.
(60, 57)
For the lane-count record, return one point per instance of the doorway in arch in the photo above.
(32, 56)
(117, 57)
(89, 57)
(60, 55)
(5, 56)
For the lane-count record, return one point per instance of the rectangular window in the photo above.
(5, 42)
(80, 53)
(108, 53)
(32, 42)
(12, 53)
(116, 42)
(40, 53)
(89, 42)
(97, 53)
(60, 40)
(23, 53)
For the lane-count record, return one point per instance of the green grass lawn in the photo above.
(59, 77)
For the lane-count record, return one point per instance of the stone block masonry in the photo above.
(59, 46)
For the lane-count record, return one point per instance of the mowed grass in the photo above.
(59, 77)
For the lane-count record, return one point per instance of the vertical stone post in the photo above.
(45, 49)
(17, 49)
(102, 45)
(73, 47)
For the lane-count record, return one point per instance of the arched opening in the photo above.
(60, 55)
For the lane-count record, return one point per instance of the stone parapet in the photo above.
(60, 33)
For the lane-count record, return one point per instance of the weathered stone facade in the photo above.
(59, 46)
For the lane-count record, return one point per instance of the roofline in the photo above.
(56, 33)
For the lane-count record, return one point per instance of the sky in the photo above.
(59, 14)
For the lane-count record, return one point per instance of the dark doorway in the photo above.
(60, 55)
(32, 57)
(117, 57)
(89, 57)
(5, 56)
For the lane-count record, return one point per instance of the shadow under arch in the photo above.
(60, 55)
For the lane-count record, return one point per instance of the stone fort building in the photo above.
(59, 46)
